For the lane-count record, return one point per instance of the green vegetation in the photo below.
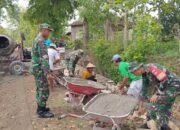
(139, 30)
(54, 12)
(8, 7)
(103, 51)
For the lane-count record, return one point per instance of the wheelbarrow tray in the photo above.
(82, 86)
(110, 108)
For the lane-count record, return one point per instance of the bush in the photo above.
(103, 51)
(146, 33)
(70, 44)
(169, 47)
(77, 44)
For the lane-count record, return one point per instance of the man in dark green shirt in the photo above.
(166, 87)
(41, 70)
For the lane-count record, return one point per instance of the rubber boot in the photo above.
(44, 108)
(38, 109)
(44, 114)
(163, 128)
(144, 126)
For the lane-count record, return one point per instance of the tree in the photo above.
(168, 14)
(126, 32)
(2, 30)
(8, 8)
(108, 29)
(176, 32)
(123, 7)
(86, 31)
(54, 12)
(23, 25)
(92, 11)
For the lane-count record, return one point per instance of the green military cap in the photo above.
(134, 66)
(45, 26)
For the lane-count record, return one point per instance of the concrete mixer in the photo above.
(13, 55)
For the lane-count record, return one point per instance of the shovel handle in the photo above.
(69, 115)
(62, 116)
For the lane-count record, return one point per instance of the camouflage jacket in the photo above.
(153, 84)
(72, 55)
(72, 58)
(40, 55)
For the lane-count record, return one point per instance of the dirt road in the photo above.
(18, 107)
(14, 110)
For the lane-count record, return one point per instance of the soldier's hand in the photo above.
(71, 74)
(50, 76)
(121, 87)
(153, 98)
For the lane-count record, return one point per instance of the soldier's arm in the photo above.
(145, 85)
(44, 58)
(169, 94)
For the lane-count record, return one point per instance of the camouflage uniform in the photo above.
(167, 90)
(72, 58)
(40, 68)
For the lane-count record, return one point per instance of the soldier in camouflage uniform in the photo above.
(167, 88)
(71, 60)
(41, 70)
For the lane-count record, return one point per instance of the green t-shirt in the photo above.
(123, 69)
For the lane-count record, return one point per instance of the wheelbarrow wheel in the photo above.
(87, 98)
(116, 127)
(16, 67)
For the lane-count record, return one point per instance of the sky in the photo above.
(23, 3)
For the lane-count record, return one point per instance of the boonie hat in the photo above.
(134, 66)
(45, 26)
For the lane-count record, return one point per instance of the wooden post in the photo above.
(86, 32)
(109, 34)
(126, 34)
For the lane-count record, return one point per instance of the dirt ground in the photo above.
(18, 108)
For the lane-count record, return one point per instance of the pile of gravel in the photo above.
(111, 105)
(84, 83)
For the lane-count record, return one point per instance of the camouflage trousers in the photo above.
(162, 108)
(70, 65)
(42, 90)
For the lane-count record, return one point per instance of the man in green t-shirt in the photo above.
(128, 77)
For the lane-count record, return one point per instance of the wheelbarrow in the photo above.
(107, 110)
(80, 91)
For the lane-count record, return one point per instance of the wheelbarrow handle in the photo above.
(60, 80)
(69, 115)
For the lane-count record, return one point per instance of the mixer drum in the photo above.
(7, 45)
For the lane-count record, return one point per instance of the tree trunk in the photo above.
(178, 38)
(126, 34)
(109, 33)
(86, 32)
(158, 5)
